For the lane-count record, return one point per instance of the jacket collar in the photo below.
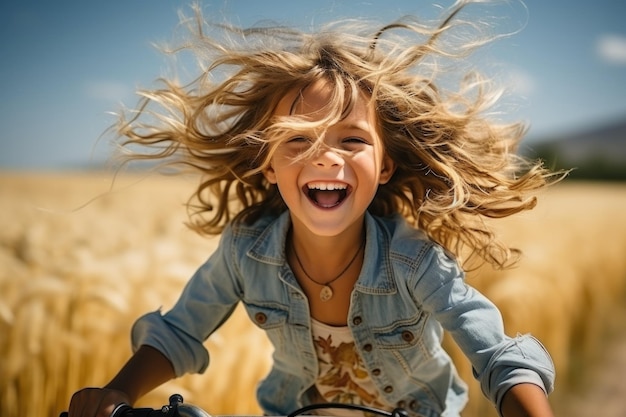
(377, 273)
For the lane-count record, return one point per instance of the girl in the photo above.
(349, 192)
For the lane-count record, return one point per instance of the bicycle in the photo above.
(176, 408)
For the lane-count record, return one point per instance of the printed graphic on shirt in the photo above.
(343, 378)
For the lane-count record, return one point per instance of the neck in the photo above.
(324, 256)
(312, 247)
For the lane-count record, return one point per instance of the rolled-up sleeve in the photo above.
(522, 359)
(206, 302)
(498, 361)
(186, 353)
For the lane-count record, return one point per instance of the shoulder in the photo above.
(262, 240)
(412, 251)
(244, 246)
(403, 239)
(240, 229)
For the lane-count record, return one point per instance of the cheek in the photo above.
(367, 163)
(285, 173)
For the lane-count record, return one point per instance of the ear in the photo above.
(387, 168)
(270, 174)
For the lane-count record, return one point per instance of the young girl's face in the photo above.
(329, 191)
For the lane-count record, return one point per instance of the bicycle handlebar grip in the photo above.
(119, 411)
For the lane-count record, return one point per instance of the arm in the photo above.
(206, 302)
(526, 400)
(507, 368)
(145, 370)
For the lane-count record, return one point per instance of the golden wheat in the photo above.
(74, 277)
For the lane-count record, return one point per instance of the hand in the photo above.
(96, 402)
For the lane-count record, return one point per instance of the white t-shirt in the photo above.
(342, 377)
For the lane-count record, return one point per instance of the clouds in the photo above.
(112, 91)
(521, 82)
(612, 49)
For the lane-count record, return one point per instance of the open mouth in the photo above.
(327, 194)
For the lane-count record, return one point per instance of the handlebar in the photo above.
(176, 408)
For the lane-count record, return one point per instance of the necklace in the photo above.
(326, 293)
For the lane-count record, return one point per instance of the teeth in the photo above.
(330, 186)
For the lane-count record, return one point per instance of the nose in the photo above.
(327, 157)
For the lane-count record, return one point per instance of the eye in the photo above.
(355, 140)
(299, 139)
(355, 143)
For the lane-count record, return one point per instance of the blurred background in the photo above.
(81, 258)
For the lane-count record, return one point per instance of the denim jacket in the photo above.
(409, 290)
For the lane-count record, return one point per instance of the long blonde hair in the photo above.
(454, 166)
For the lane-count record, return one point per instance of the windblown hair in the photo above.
(454, 166)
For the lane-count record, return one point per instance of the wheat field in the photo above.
(80, 261)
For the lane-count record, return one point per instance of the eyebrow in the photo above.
(365, 127)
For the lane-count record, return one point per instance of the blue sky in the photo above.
(65, 64)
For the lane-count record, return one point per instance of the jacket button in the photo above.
(388, 389)
(401, 404)
(357, 320)
(367, 347)
(260, 318)
(376, 372)
(407, 336)
(413, 405)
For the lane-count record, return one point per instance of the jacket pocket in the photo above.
(268, 317)
(401, 334)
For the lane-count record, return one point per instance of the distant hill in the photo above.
(596, 154)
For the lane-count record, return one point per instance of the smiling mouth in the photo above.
(326, 194)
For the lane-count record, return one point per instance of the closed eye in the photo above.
(355, 139)
(355, 144)
(299, 139)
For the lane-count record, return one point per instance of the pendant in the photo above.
(326, 293)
